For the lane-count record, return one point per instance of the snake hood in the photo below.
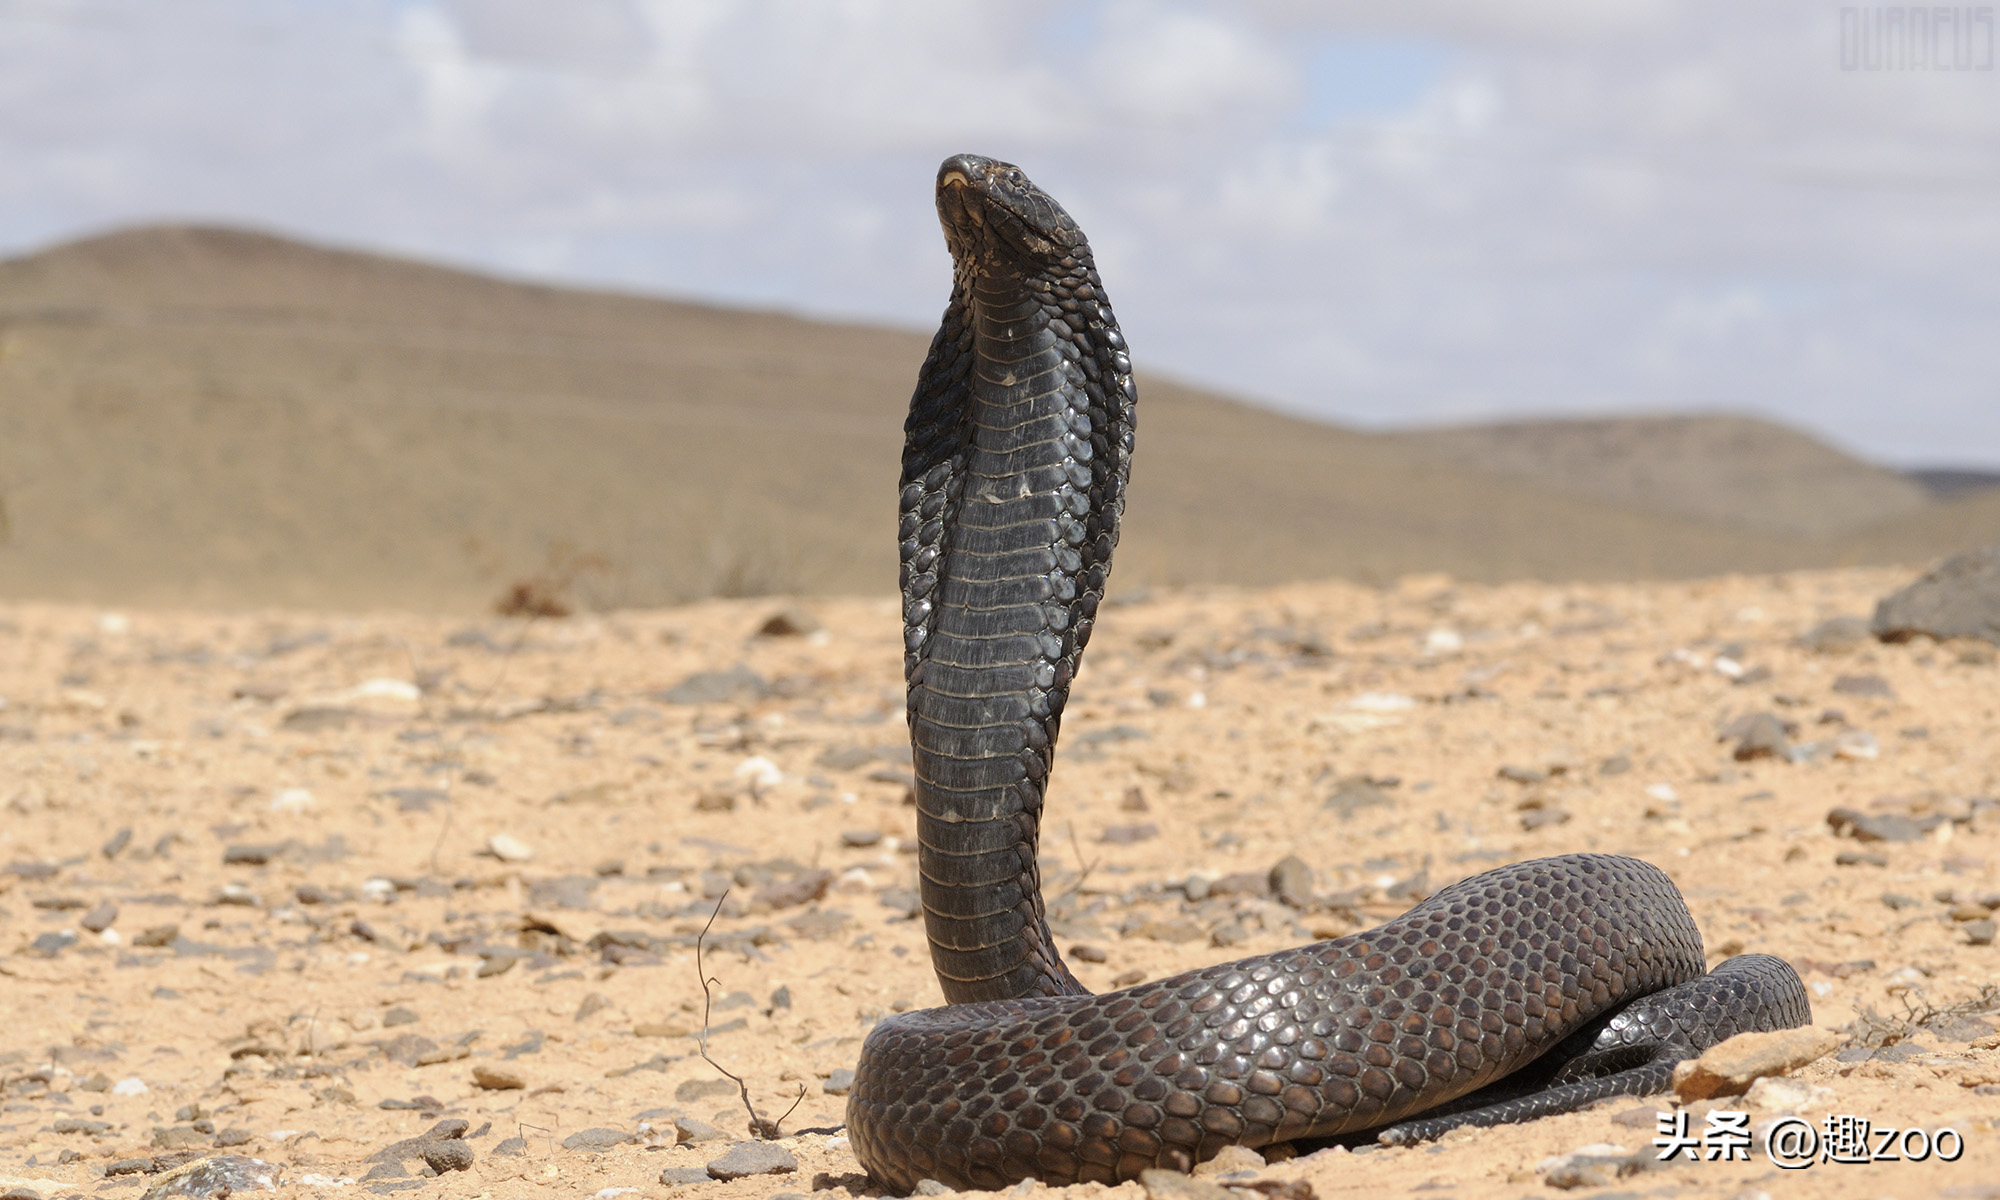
(990, 210)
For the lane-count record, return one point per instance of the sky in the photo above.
(1381, 214)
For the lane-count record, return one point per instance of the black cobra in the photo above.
(1530, 989)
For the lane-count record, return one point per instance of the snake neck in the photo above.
(1014, 478)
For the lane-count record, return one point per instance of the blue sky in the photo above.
(1381, 214)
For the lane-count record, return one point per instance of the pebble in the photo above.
(1292, 882)
(101, 918)
(839, 1083)
(1729, 1068)
(1777, 1093)
(1127, 835)
(860, 838)
(676, 1176)
(689, 1129)
(1876, 827)
(497, 1079)
(513, 1147)
(931, 1187)
(1837, 634)
(449, 1154)
(217, 1177)
(789, 622)
(508, 848)
(1162, 1184)
(745, 1159)
(711, 687)
(1864, 685)
(1759, 735)
(1959, 597)
(1980, 932)
(597, 1140)
(1228, 1159)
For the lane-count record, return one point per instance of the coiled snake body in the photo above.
(1529, 989)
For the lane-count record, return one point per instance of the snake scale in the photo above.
(1529, 989)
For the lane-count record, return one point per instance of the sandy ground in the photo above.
(298, 883)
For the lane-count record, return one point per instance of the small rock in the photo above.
(1777, 1093)
(1127, 835)
(839, 1083)
(1836, 634)
(688, 1129)
(789, 622)
(130, 1166)
(1513, 774)
(931, 1187)
(676, 1176)
(52, 943)
(233, 1137)
(860, 838)
(101, 918)
(215, 1178)
(1085, 952)
(1729, 1068)
(508, 848)
(691, 1090)
(1864, 685)
(1979, 933)
(179, 1137)
(745, 1159)
(1230, 1158)
(1353, 795)
(597, 1140)
(513, 1147)
(711, 687)
(1874, 827)
(1761, 736)
(385, 1170)
(497, 1079)
(449, 1154)
(1292, 882)
(1161, 1184)
(1617, 764)
(803, 888)
(1959, 597)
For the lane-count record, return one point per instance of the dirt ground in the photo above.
(305, 886)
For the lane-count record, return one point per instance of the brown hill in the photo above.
(193, 415)
(1730, 470)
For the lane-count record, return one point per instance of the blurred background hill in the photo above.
(207, 416)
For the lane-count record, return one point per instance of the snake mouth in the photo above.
(991, 207)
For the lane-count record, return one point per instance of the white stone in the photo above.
(759, 772)
(1795, 1095)
(293, 800)
(134, 1086)
(508, 848)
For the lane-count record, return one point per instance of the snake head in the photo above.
(992, 211)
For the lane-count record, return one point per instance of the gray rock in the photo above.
(676, 1176)
(688, 1129)
(1162, 1184)
(385, 1170)
(445, 1130)
(691, 1090)
(233, 1137)
(597, 1140)
(1836, 634)
(448, 1154)
(52, 943)
(1760, 736)
(130, 1166)
(1864, 685)
(839, 1083)
(710, 687)
(1959, 597)
(1877, 827)
(1980, 932)
(101, 918)
(214, 1178)
(1353, 795)
(513, 1147)
(1292, 882)
(931, 1187)
(745, 1159)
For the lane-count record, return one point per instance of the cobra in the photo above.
(1530, 989)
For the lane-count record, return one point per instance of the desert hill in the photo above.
(207, 416)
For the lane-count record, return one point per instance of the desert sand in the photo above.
(304, 886)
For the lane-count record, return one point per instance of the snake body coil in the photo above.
(1529, 989)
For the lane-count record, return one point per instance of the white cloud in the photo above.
(1547, 205)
